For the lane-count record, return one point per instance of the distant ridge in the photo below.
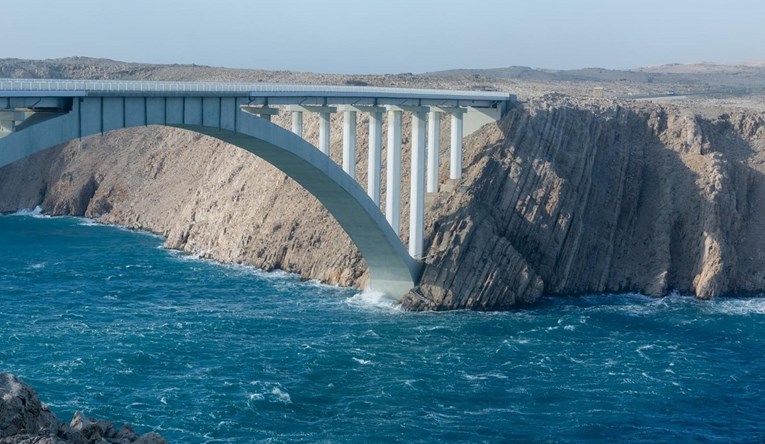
(745, 74)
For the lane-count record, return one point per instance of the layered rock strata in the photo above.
(568, 197)
(563, 196)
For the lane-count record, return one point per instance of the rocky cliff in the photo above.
(569, 197)
(563, 196)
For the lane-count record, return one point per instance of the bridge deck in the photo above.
(277, 93)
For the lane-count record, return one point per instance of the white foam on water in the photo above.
(281, 395)
(84, 222)
(483, 376)
(268, 391)
(36, 212)
(642, 348)
(737, 307)
(371, 299)
(362, 361)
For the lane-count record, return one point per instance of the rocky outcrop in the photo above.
(563, 196)
(25, 420)
(569, 197)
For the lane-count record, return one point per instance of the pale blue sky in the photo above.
(388, 36)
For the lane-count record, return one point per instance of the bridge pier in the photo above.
(417, 189)
(455, 167)
(325, 115)
(393, 170)
(324, 128)
(434, 147)
(349, 142)
(297, 123)
(375, 155)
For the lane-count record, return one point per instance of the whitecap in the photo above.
(362, 361)
(372, 299)
(736, 307)
(85, 222)
(640, 350)
(282, 396)
(36, 212)
(484, 376)
(268, 391)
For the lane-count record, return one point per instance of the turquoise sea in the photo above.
(104, 320)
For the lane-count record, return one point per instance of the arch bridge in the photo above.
(38, 114)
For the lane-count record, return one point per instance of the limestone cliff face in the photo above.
(561, 197)
(569, 198)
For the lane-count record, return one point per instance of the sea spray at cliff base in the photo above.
(99, 319)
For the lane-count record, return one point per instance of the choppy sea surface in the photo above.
(104, 320)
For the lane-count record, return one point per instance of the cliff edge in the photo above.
(569, 196)
(563, 196)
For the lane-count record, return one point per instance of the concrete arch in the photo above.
(392, 270)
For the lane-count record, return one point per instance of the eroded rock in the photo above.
(25, 420)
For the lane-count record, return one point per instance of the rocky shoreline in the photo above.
(24, 419)
(564, 196)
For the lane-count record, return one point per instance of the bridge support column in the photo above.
(324, 112)
(455, 168)
(349, 142)
(297, 123)
(324, 132)
(375, 156)
(417, 189)
(393, 171)
(434, 148)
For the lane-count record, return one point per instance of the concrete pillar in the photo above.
(393, 172)
(375, 156)
(324, 128)
(455, 169)
(417, 189)
(324, 112)
(297, 123)
(349, 143)
(434, 148)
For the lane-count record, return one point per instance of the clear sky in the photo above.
(388, 36)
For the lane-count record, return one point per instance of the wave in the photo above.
(369, 299)
(35, 212)
(737, 306)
